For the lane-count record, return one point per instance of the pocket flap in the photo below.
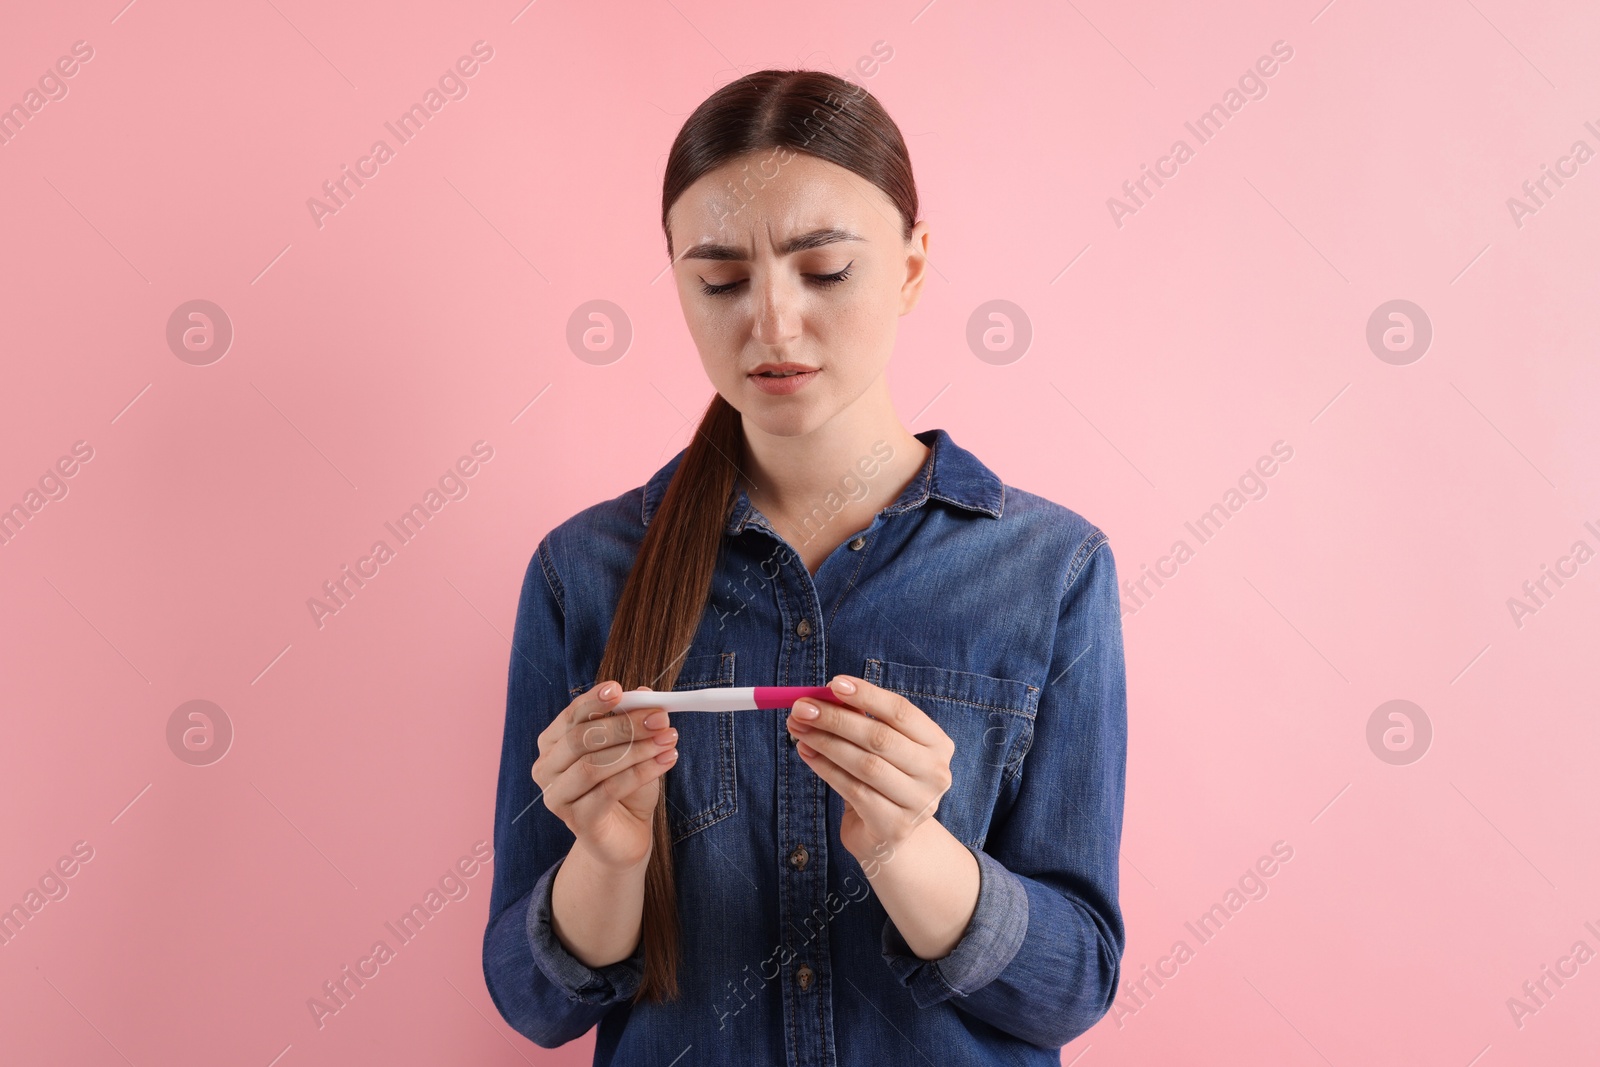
(981, 692)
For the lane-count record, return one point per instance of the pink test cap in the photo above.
(784, 696)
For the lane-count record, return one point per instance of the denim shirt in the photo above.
(994, 611)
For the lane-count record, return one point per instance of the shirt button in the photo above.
(803, 628)
(799, 858)
(804, 976)
(855, 546)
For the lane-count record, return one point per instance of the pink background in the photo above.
(1228, 313)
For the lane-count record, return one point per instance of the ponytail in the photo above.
(654, 625)
(658, 613)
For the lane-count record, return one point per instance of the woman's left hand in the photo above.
(890, 768)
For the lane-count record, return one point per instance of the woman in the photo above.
(935, 878)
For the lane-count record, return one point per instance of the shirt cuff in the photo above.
(611, 984)
(999, 924)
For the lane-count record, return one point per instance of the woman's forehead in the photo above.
(773, 213)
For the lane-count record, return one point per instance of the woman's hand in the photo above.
(890, 766)
(600, 774)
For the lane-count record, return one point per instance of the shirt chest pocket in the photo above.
(990, 719)
(701, 785)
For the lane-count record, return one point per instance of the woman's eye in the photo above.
(824, 281)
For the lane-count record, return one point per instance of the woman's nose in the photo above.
(777, 314)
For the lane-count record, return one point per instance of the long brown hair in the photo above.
(665, 595)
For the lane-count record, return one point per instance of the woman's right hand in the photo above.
(600, 774)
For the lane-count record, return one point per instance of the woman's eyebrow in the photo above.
(814, 239)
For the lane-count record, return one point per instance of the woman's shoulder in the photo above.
(597, 534)
(1033, 532)
(619, 521)
(1072, 538)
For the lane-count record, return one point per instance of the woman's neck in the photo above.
(821, 478)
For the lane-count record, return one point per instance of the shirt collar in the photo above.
(950, 473)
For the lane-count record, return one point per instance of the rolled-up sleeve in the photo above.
(603, 986)
(541, 990)
(993, 935)
(1042, 954)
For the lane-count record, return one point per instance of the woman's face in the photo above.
(806, 265)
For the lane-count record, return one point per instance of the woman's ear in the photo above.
(917, 265)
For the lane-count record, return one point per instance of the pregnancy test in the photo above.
(725, 698)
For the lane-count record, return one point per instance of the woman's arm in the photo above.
(1048, 926)
(596, 911)
(1027, 933)
(544, 989)
(890, 767)
(929, 886)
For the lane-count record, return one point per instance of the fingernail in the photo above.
(845, 685)
(666, 737)
(803, 710)
(606, 691)
(667, 756)
(655, 720)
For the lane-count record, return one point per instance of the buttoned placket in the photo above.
(805, 981)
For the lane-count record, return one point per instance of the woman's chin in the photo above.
(787, 419)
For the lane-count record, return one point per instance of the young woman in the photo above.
(923, 866)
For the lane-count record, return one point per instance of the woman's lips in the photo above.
(784, 386)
